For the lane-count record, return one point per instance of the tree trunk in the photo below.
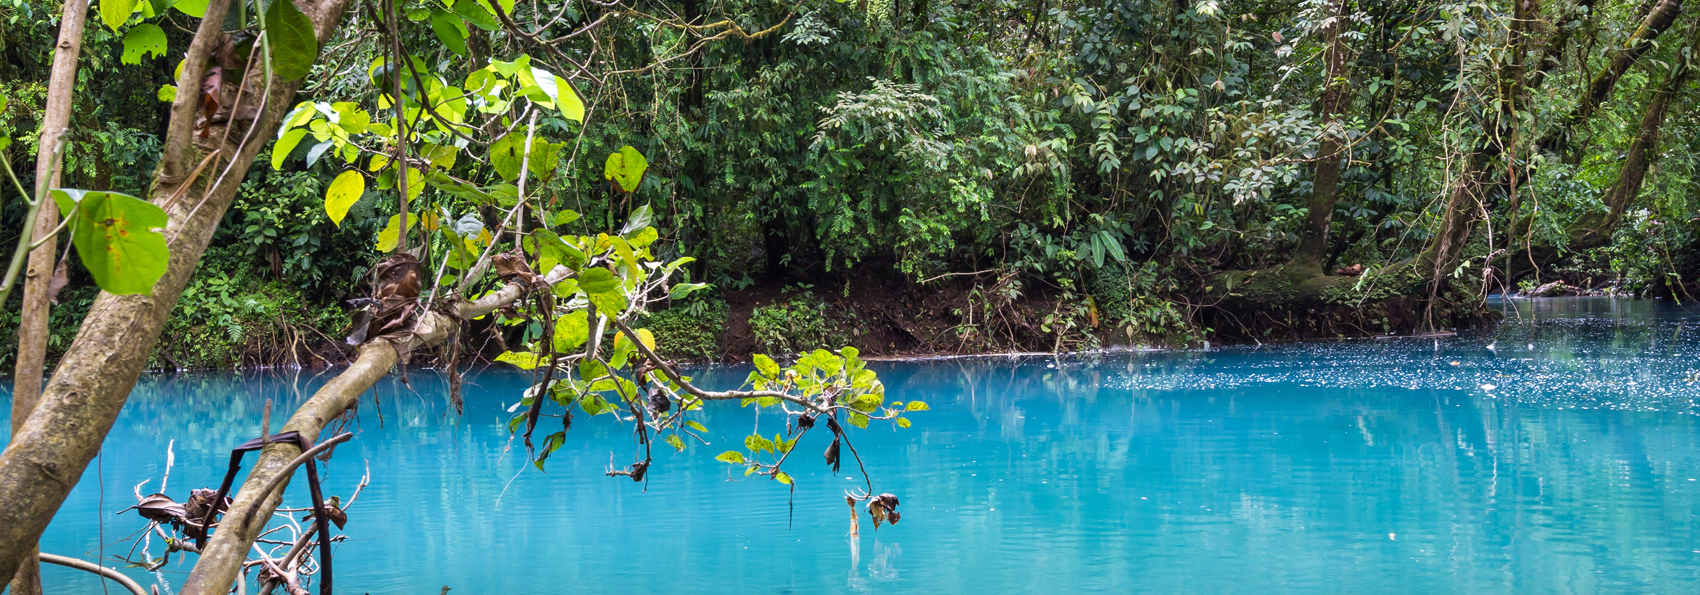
(48, 455)
(1313, 241)
(1659, 19)
(1594, 229)
(221, 560)
(32, 326)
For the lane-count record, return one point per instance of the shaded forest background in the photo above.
(918, 176)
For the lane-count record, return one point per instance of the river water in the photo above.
(1557, 453)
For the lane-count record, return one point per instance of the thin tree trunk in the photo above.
(32, 327)
(221, 560)
(1313, 243)
(78, 406)
(1659, 19)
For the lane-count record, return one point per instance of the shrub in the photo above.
(792, 325)
(690, 331)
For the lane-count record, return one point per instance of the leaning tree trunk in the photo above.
(220, 562)
(1325, 184)
(33, 318)
(48, 455)
(1658, 20)
(1594, 229)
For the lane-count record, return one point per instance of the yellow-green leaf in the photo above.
(116, 12)
(117, 239)
(145, 38)
(285, 146)
(344, 191)
(732, 457)
(524, 360)
(390, 237)
(626, 168)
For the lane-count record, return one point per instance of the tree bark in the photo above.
(1313, 241)
(1659, 19)
(32, 326)
(48, 455)
(221, 560)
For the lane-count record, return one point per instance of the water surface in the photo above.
(1558, 453)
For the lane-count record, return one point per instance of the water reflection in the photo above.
(1353, 466)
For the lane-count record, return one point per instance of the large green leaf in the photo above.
(294, 47)
(116, 238)
(545, 156)
(145, 38)
(507, 155)
(477, 15)
(116, 12)
(194, 8)
(626, 168)
(345, 190)
(285, 146)
(559, 93)
(598, 280)
(571, 331)
(390, 237)
(450, 29)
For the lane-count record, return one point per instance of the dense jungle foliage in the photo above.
(921, 175)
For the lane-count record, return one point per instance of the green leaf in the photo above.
(294, 47)
(756, 443)
(285, 146)
(507, 155)
(350, 118)
(626, 169)
(684, 289)
(916, 406)
(559, 93)
(598, 280)
(116, 12)
(545, 156)
(523, 360)
(611, 304)
(858, 420)
(642, 238)
(571, 331)
(167, 93)
(781, 477)
(344, 191)
(639, 219)
(674, 441)
(550, 445)
(766, 366)
(692, 424)
(450, 29)
(116, 238)
(903, 422)
(194, 8)
(731, 457)
(477, 15)
(145, 38)
(390, 237)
